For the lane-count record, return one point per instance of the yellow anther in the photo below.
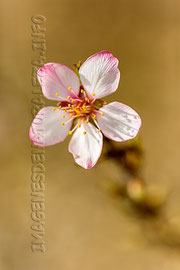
(84, 132)
(69, 88)
(86, 99)
(93, 94)
(69, 105)
(59, 107)
(71, 114)
(62, 123)
(53, 109)
(57, 94)
(65, 110)
(70, 132)
(82, 91)
(79, 125)
(70, 110)
(99, 130)
(102, 114)
(84, 107)
(86, 122)
(68, 97)
(72, 100)
(73, 106)
(94, 117)
(63, 116)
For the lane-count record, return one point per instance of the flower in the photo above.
(81, 111)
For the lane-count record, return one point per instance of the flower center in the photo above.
(79, 108)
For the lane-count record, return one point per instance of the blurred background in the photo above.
(88, 225)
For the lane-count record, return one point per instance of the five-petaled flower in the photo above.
(80, 109)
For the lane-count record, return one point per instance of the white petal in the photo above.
(56, 78)
(46, 128)
(119, 123)
(100, 75)
(86, 149)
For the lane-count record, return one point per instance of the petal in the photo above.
(47, 129)
(119, 122)
(56, 78)
(100, 75)
(86, 148)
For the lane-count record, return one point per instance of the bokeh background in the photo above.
(86, 227)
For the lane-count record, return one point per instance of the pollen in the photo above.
(62, 123)
(63, 116)
(86, 122)
(82, 91)
(71, 114)
(72, 100)
(86, 99)
(70, 110)
(94, 117)
(69, 105)
(57, 94)
(68, 97)
(65, 110)
(102, 114)
(93, 94)
(69, 88)
(99, 130)
(53, 109)
(84, 107)
(70, 132)
(59, 107)
(84, 132)
(79, 125)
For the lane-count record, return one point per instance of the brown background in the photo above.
(85, 227)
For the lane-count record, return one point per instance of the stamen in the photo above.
(69, 105)
(79, 125)
(62, 123)
(99, 130)
(65, 110)
(69, 88)
(84, 132)
(86, 99)
(57, 94)
(53, 109)
(63, 116)
(93, 94)
(94, 117)
(102, 114)
(60, 107)
(71, 114)
(72, 100)
(86, 122)
(68, 97)
(74, 128)
(82, 91)
(97, 124)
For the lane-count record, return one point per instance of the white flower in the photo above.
(81, 110)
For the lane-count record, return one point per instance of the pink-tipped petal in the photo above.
(100, 74)
(86, 148)
(56, 78)
(118, 122)
(47, 128)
